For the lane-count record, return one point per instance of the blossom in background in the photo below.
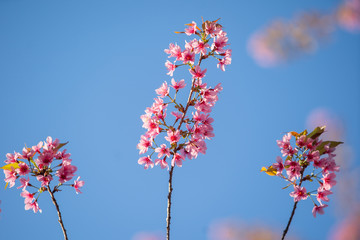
(348, 15)
(44, 162)
(184, 137)
(282, 41)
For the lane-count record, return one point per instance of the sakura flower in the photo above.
(23, 169)
(163, 150)
(66, 173)
(24, 183)
(163, 90)
(12, 158)
(78, 184)
(188, 57)
(197, 73)
(328, 180)
(279, 165)
(28, 196)
(319, 209)
(322, 194)
(45, 180)
(200, 47)
(299, 193)
(191, 29)
(177, 159)
(171, 67)
(10, 176)
(173, 137)
(178, 85)
(33, 205)
(38, 147)
(146, 161)
(162, 162)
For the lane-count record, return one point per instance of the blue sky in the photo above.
(84, 72)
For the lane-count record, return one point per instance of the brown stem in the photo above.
(58, 212)
(289, 222)
(295, 204)
(169, 204)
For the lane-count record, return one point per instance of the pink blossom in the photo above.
(78, 184)
(197, 73)
(23, 169)
(50, 144)
(38, 147)
(163, 150)
(173, 137)
(177, 159)
(313, 156)
(178, 85)
(27, 153)
(45, 180)
(162, 162)
(146, 161)
(188, 57)
(177, 115)
(211, 28)
(174, 51)
(28, 196)
(293, 169)
(163, 90)
(170, 67)
(10, 176)
(33, 205)
(12, 158)
(319, 209)
(191, 29)
(66, 173)
(200, 47)
(299, 193)
(144, 144)
(322, 194)
(24, 183)
(328, 181)
(279, 166)
(45, 158)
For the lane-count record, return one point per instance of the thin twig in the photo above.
(295, 204)
(289, 222)
(58, 212)
(169, 204)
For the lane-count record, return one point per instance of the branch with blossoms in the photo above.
(50, 162)
(311, 160)
(185, 133)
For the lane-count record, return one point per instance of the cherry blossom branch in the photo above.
(168, 218)
(58, 212)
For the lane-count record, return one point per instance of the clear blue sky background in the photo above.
(84, 71)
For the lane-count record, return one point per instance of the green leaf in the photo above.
(317, 132)
(333, 144)
(6, 185)
(60, 146)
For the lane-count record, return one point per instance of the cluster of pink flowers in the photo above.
(185, 136)
(50, 162)
(310, 160)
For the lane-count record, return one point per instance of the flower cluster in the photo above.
(49, 163)
(185, 136)
(310, 160)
